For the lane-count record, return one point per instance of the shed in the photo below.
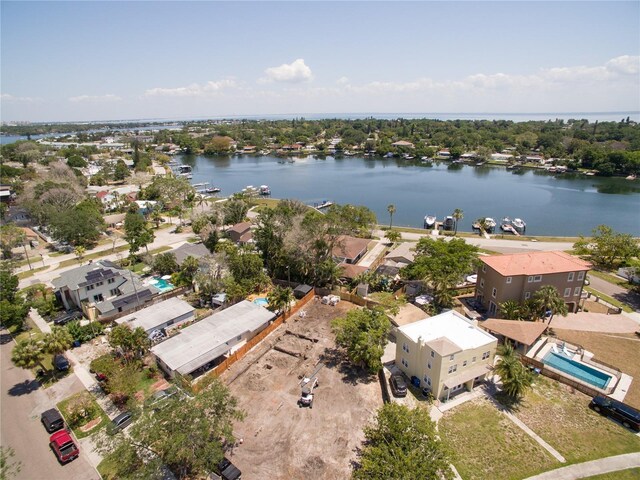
(301, 290)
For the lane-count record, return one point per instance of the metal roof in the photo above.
(152, 317)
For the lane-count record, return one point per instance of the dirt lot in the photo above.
(282, 440)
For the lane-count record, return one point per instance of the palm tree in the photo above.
(393, 236)
(80, 251)
(280, 299)
(482, 224)
(391, 209)
(57, 341)
(457, 216)
(547, 299)
(516, 378)
(28, 354)
(201, 201)
(511, 310)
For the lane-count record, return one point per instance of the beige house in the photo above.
(518, 276)
(448, 353)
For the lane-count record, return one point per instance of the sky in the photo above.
(84, 61)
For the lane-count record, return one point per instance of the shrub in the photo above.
(81, 410)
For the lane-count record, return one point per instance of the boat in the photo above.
(490, 224)
(507, 227)
(212, 190)
(449, 223)
(430, 221)
(324, 204)
(265, 190)
(519, 225)
(184, 169)
(389, 155)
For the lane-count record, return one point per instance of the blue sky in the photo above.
(122, 60)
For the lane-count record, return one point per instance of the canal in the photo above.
(562, 205)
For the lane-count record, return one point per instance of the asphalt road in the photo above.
(22, 401)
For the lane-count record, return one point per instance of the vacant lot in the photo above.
(487, 445)
(622, 350)
(560, 415)
(281, 440)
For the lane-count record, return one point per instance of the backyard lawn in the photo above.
(83, 414)
(620, 350)
(560, 415)
(489, 445)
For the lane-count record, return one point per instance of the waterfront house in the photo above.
(518, 276)
(241, 233)
(402, 143)
(446, 353)
(349, 249)
(102, 289)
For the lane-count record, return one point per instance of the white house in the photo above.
(169, 313)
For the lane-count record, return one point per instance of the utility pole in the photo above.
(24, 245)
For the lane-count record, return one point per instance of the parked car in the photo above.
(398, 385)
(52, 420)
(62, 445)
(67, 317)
(61, 363)
(227, 471)
(121, 422)
(628, 416)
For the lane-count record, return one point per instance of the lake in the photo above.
(564, 205)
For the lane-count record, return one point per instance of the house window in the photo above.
(484, 268)
(98, 298)
(405, 347)
(464, 364)
(90, 287)
(534, 279)
(99, 284)
(113, 292)
(427, 380)
(432, 354)
(567, 291)
(485, 355)
(453, 368)
(429, 364)
(494, 292)
(527, 295)
(576, 291)
(580, 275)
(111, 280)
(473, 360)
(451, 358)
(482, 282)
(405, 363)
(570, 277)
(509, 279)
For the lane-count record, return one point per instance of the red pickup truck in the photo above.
(62, 445)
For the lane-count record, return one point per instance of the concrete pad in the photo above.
(622, 388)
(595, 322)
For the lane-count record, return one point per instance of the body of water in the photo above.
(567, 205)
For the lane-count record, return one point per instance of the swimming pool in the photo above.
(263, 302)
(161, 284)
(577, 370)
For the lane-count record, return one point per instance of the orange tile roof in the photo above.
(535, 263)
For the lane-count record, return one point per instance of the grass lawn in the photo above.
(99, 418)
(107, 467)
(29, 273)
(631, 474)
(610, 300)
(562, 418)
(622, 350)
(489, 445)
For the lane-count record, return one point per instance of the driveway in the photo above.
(22, 401)
(616, 291)
(595, 322)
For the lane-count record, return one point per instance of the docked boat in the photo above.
(519, 225)
(265, 190)
(449, 223)
(324, 204)
(430, 221)
(212, 190)
(490, 224)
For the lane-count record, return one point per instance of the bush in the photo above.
(106, 364)
(84, 333)
(81, 410)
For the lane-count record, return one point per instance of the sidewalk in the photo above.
(594, 467)
(40, 322)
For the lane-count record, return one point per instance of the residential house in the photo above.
(195, 250)
(208, 342)
(522, 335)
(401, 256)
(402, 143)
(114, 221)
(518, 276)
(241, 233)
(168, 313)
(447, 353)
(349, 249)
(102, 289)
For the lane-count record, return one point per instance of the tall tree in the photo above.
(363, 333)
(57, 341)
(137, 233)
(511, 310)
(607, 247)
(280, 299)
(403, 443)
(516, 378)
(457, 216)
(391, 209)
(28, 354)
(547, 299)
(134, 344)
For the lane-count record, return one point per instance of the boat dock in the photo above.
(320, 206)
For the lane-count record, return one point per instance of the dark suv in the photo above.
(629, 417)
(226, 471)
(52, 420)
(398, 385)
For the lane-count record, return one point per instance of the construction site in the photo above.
(305, 404)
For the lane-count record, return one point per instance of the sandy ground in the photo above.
(282, 440)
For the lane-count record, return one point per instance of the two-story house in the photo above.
(518, 276)
(102, 289)
(448, 353)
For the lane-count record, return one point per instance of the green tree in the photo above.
(391, 209)
(28, 354)
(511, 310)
(280, 299)
(548, 299)
(211, 242)
(393, 235)
(76, 161)
(457, 216)
(403, 443)
(79, 252)
(188, 271)
(137, 233)
(235, 210)
(134, 344)
(188, 436)
(516, 378)
(11, 236)
(607, 247)
(79, 226)
(121, 171)
(57, 341)
(165, 264)
(363, 333)
(9, 282)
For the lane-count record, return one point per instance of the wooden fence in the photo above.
(242, 351)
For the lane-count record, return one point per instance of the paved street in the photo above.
(22, 401)
(619, 293)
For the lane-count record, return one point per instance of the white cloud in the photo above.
(343, 81)
(295, 72)
(193, 90)
(625, 65)
(95, 98)
(6, 97)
